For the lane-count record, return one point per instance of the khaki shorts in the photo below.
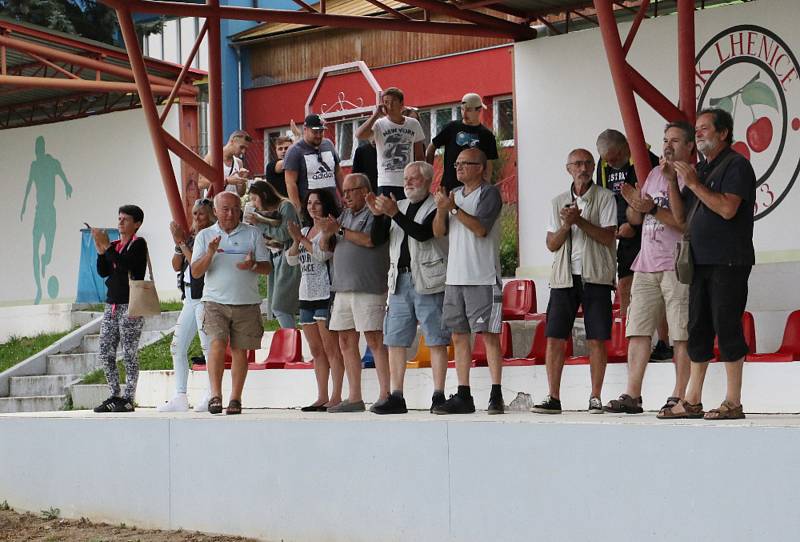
(357, 310)
(651, 295)
(241, 324)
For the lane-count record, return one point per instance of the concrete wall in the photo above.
(108, 161)
(418, 478)
(565, 98)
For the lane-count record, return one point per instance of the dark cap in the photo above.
(314, 122)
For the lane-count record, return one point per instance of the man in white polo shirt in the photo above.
(231, 255)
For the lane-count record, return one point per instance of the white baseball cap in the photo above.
(472, 101)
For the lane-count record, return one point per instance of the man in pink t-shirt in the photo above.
(655, 287)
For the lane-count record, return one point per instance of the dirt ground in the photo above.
(16, 527)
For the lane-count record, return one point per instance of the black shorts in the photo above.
(627, 251)
(717, 300)
(562, 310)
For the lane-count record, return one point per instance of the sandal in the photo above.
(625, 405)
(689, 411)
(726, 411)
(215, 405)
(234, 407)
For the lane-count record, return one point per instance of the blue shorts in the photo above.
(406, 308)
(312, 312)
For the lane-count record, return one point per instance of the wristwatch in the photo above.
(454, 210)
(340, 233)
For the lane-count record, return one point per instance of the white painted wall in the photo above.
(109, 161)
(565, 98)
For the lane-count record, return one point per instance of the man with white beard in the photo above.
(417, 270)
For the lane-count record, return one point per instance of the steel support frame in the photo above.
(627, 80)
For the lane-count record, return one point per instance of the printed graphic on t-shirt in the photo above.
(397, 148)
(615, 180)
(466, 139)
(320, 170)
(652, 225)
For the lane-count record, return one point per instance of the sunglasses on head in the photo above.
(204, 201)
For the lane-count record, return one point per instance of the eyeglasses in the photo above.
(204, 201)
(579, 163)
(351, 190)
(465, 164)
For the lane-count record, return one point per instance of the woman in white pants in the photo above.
(190, 319)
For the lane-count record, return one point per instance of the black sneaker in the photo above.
(436, 400)
(496, 405)
(394, 404)
(123, 405)
(548, 406)
(456, 405)
(661, 353)
(107, 405)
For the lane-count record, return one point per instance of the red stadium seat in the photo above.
(749, 330)
(538, 351)
(616, 348)
(790, 346)
(519, 299)
(286, 347)
(479, 348)
(251, 358)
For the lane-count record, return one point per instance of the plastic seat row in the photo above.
(519, 302)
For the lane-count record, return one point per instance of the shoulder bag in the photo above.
(143, 300)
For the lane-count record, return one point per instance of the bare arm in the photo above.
(365, 130)
(555, 240)
(200, 266)
(677, 207)
(605, 236)
(430, 153)
(634, 217)
(360, 238)
(339, 176)
(279, 166)
(419, 151)
(472, 223)
(723, 204)
(292, 191)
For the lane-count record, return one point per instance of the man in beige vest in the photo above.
(581, 235)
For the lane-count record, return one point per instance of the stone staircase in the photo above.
(47, 392)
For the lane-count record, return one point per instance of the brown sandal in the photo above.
(689, 411)
(726, 411)
(234, 407)
(215, 405)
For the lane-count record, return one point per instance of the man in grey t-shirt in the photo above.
(311, 163)
(360, 270)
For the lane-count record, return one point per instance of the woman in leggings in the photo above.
(190, 319)
(118, 261)
(315, 298)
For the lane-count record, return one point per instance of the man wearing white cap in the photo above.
(463, 134)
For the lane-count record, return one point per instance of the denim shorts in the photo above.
(312, 312)
(406, 308)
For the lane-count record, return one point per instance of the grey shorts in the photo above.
(473, 309)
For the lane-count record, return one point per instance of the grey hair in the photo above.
(222, 195)
(610, 139)
(424, 169)
(363, 180)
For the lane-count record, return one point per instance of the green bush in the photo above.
(509, 251)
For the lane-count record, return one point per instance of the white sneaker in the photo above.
(179, 403)
(202, 405)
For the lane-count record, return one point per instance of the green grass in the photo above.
(166, 306)
(157, 357)
(17, 349)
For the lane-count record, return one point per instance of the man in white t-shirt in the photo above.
(234, 172)
(231, 255)
(398, 139)
(472, 296)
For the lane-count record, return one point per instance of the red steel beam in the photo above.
(319, 19)
(77, 84)
(650, 94)
(389, 10)
(186, 154)
(151, 116)
(640, 15)
(47, 52)
(622, 86)
(188, 119)
(54, 66)
(215, 98)
(518, 31)
(185, 69)
(687, 98)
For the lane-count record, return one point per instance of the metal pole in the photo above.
(622, 86)
(215, 98)
(184, 70)
(151, 116)
(686, 51)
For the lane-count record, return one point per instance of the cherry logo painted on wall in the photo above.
(750, 72)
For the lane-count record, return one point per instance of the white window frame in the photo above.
(496, 118)
(282, 130)
(348, 162)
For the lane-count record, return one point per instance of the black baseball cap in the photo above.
(314, 122)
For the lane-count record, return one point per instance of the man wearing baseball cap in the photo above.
(311, 163)
(463, 134)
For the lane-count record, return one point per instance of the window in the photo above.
(425, 121)
(270, 135)
(346, 141)
(504, 120)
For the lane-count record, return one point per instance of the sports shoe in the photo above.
(123, 405)
(496, 405)
(595, 406)
(394, 404)
(347, 406)
(377, 404)
(548, 406)
(436, 400)
(106, 406)
(202, 405)
(179, 403)
(661, 353)
(456, 405)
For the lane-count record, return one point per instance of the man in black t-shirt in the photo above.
(275, 174)
(723, 190)
(463, 134)
(365, 160)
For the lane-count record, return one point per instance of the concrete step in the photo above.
(46, 403)
(91, 343)
(26, 386)
(81, 318)
(165, 320)
(69, 364)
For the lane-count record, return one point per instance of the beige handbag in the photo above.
(143, 300)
